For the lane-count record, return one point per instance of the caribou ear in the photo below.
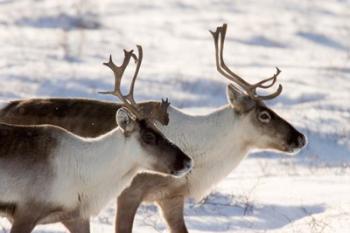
(239, 101)
(125, 120)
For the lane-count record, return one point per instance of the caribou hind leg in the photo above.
(172, 210)
(77, 225)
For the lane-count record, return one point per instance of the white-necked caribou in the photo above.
(48, 174)
(217, 142)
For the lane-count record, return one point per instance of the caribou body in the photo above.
(217, 143)
(48, 174)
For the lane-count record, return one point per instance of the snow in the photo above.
(55, 48)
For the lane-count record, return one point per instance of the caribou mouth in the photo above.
(187, 167)
(291, 149)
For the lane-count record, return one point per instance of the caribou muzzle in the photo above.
(295, 141)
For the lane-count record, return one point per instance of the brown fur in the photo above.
(78, 226)
(30, 144)
(7, 209)
(28, 149)
(150, 188)
(172, 210)
(99, 117)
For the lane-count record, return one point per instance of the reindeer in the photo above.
(48, 174)
(217, 142)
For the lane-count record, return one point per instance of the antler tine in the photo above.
(216, 35)
(118, 74)
(220, 33)
(138, 60)
(261, 85)
(273, 78)
(226, 72)
(220, 63)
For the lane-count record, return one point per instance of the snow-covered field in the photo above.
(55, 48)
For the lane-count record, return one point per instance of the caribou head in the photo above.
(137, 122)
(262, 127)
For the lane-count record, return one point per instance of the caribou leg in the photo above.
(172, 210)
(128, 202)
(24, 221)
(77, 226)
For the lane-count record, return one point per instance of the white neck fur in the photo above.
(97, 169)
(213, 141)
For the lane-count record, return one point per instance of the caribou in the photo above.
(217, 142)
(48, 174)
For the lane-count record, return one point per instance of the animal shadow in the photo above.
(221, 212)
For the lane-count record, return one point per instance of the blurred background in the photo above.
(51, 48)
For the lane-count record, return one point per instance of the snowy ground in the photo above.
(55, 48)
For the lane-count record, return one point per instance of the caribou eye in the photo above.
(264, 117)
(149, 138)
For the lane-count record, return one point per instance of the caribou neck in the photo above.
(103, 154)
(214, 141)
(201, 136)
(95, 165)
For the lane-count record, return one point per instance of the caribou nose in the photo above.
(183, 166)
(301, 140)
(188, 164)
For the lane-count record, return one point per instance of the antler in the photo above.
(128, 99)
(226, 72)
(118, 71)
